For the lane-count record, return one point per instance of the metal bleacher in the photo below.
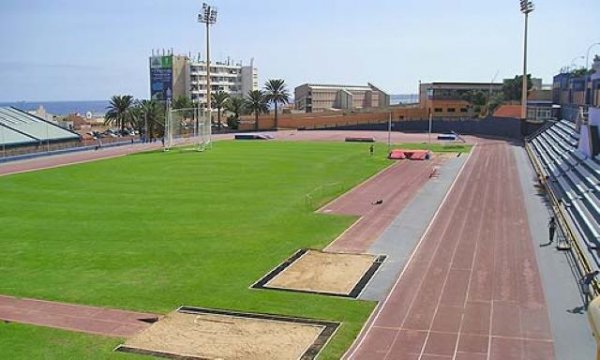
(19, 127)
(574, 183)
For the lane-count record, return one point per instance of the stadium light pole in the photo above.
(208, 16)
(587, 64)
(526, 8)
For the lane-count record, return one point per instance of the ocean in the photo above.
(96, 107)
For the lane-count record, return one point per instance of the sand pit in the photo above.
(323, 272)
(194, 333)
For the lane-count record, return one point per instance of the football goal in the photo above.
(188, 127)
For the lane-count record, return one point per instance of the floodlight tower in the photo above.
(208, 16)
(526, 8)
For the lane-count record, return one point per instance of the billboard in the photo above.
(161, 77)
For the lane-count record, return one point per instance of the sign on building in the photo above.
(161, 77)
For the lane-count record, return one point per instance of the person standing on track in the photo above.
(551, 229)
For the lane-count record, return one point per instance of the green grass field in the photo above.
(154, 231)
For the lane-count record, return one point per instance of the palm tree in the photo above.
(153, 115)
(257, 103)
(118, 110)
(219, 101)
(235, 105)
(277, 93)
(182, 102)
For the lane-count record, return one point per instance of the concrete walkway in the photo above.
(398, 241)
(89, 319)
(472, 288)
(570, 327)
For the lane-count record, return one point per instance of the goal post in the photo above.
(188, 127)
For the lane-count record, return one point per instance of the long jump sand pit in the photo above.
(320, 272)
(197, 333)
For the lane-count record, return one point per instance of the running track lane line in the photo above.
(375, 315)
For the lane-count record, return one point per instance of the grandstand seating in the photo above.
(573, 178)
(21, 128)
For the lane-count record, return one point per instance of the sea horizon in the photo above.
(98, 107)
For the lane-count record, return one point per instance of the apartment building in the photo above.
(569, 91)
(323, 97)
(232, 78)
(172, 76)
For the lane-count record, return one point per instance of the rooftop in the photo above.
(19, 128)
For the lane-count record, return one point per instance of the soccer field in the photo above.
(154, 231)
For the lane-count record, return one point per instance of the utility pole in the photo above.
(429, 132)
(526, 8)
(390, 132)
(208, 16)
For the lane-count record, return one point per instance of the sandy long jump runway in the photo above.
(472, 288)
(396, 186)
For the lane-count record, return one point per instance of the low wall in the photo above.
(491, 126)
(323, 120)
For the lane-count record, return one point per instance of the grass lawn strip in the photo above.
(152, 231)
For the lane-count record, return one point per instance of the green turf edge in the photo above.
(25, 342)
(351, 321)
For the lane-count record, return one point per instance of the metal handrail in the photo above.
(580, 257)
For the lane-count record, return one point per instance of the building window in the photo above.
(451, 110)
(438, 110)
(463, 110)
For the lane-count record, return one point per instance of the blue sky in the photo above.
(90, 50)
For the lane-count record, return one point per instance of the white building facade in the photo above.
(172, 76)
(232, 78)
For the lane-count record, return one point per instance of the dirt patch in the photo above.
(213, 334)
(323, 272)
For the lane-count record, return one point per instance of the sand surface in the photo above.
(211, 336)
(324, 272)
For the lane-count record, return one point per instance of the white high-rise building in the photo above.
(232, 78)
(172, 76)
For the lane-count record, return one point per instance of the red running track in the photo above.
(396, 186)
(89, 319)
(471, 290)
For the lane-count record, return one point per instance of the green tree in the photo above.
(219, 101)
(184, 102)
(513, 88)
(119, 111)
(582, 72)
(276, 93)
(152, 116)
(256, 103)
(236, 106)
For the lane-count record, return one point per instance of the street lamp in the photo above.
(587, 64)
(526, 8)
(208, 16)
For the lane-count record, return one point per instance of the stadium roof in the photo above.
(21, 128)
